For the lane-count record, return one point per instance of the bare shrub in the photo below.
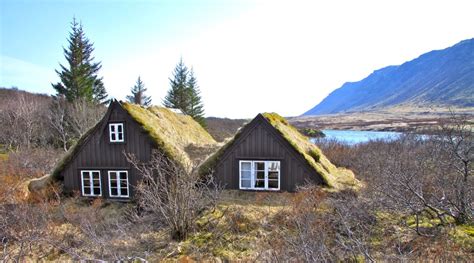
(98, 230)
(35, 162)
(23, 228)
(420, 174)
(21, 120)
(175, 194)
(30, 120)
(58, 120)
(323, 227)
(416, 174)
(455, 142)
(69, 121)
(353, 221)
(303, 234)
(83, 115)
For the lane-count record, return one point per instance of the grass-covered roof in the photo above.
(173, 133)
(334, 177)
(177, 135)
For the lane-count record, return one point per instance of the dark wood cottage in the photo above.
(97, 167)
(271, 155)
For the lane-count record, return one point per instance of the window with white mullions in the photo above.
(116, 132)
(245, 174)
(273, 175)
(91, 183)
(118, 184)
(259, 175)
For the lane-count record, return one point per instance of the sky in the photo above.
(248, 56)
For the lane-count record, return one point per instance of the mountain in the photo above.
(441, 77)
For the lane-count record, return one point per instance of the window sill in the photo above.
(259, 189)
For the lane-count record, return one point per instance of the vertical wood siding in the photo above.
(262, 142)
(98, 153)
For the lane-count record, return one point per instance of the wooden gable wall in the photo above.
(261, 141)
(98, 153)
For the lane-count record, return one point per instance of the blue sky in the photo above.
(249, 56)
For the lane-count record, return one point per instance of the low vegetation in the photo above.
(312, 133)
(415, 205)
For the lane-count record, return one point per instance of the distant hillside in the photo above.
(223, 128)
(11, 94)
(442, 77)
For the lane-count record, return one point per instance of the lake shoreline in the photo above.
(419, 122)
(351, 137)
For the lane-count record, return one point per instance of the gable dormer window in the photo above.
(116, 132)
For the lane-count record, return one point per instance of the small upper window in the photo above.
(116, 133)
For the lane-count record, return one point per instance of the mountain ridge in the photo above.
(439, 77)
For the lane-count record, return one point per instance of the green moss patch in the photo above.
(173, 133)
(463, 235)
(3, 156)
(313, 133)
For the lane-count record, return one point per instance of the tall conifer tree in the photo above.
(177, 94)
(184, 93)
(78, 79)
(138, 94)
(196, 107)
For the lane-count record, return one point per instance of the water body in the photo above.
(355, 137)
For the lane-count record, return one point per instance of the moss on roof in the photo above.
(172, 133)
(334, 177)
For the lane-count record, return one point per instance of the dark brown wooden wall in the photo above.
(260, 141)
(100, 154)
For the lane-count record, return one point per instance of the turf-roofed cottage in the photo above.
(97, 167)
(271, 155)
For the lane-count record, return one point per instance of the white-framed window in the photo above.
(118, 184)
(116, 132)
(259, 175)
(91, 184)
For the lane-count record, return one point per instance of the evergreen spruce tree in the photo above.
(138, 94)
(177, 94)
(79, 80)
(184, 93)
(196, 107)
